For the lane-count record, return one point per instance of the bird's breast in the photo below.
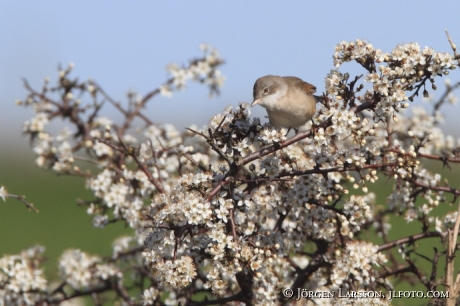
(292, 110)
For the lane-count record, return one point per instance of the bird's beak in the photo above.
(256, 101)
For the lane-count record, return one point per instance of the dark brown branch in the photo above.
(441, 158)
(141, 165)
(212, 144)
(118, 106)
(410, 239)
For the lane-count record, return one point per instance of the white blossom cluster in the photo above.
(82, 271)
(150, 296)
(392, 75)
(423, 127)
(238, 210)
(447, 222)
(203, 71)
(358, 212)
(401, 201)
(22, 281)
(356, 264)
(175, 274)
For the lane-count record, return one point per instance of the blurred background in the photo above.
(126, 45)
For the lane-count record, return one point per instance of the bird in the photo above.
(290, 102)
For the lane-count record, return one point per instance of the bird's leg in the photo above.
(313, 127)
(289, 129)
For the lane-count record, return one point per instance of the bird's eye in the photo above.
(265, 90)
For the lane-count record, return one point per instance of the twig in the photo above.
(410, 239)
(190, 159)
(212, 144)
(232, 225)
(22, 199)
(441, 100)
(452, 287)
(452, 45)
(144, 169)
(117, 105)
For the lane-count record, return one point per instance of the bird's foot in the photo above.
(314, 127)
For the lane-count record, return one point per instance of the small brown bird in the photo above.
(289, 101)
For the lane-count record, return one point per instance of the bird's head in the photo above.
(267, 90)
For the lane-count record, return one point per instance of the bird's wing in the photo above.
(302, 85)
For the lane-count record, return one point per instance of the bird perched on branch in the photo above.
(289, 101)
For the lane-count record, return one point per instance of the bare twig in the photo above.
(451, 286)
(141, 165)
(453, 46)
(117, 105)
(23, 200)
(410, 239)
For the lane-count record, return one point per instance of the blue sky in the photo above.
(127, 44)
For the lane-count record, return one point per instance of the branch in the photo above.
(409, 239)
(212, 144)
(452, 287)
(441, 100)
(144, 169)
(441, 158)
(22, 199)
(453, 46)
(117, 105)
